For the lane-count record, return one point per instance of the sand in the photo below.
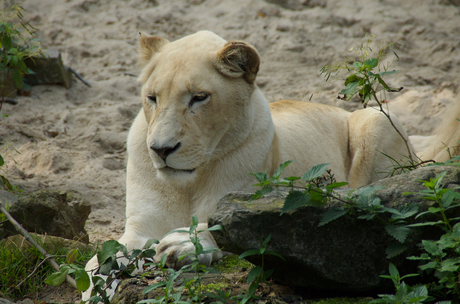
(74, 139)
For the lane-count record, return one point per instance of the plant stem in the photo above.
(393, 125)
(29, 238)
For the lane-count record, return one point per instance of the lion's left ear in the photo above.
(238, 59)
(148, 46)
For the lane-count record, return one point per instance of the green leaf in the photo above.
(280, 170)
(270, 252)
(72, 256)
(22, 66)
(450, 265)
(418, 294)
(150, 242)
(260, 176)
(353, 78)
(332, 214)
(82, 279)
(259, 193)
(315, 172)
(404, 212)
(430, 247)
(358, 65)
(249, 252)
(426, 224)
(17, 77)
(14, 61)
(214, 228)
(394, 273)
(365, 93)
(2, 161)
(57, 278)
(6, 42)
(398, 232)
(6, 183)
(336, 185)
(434, 209)
(294, 200)
(351, 88)
(449, 197)
(265, 243)
(254, 273)
(109, 248)
(371, 63)
(152, 287)
(387, 73)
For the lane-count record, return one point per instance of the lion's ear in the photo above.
(148, 46)
(238, 59)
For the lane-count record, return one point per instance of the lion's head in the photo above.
(196, 100)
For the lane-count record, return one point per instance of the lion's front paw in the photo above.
(177, 245)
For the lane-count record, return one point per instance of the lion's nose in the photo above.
(163, 152)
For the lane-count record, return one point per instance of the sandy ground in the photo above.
(75, 138)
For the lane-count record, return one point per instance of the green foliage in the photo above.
(367, 74)
(231, 264)
(404, 293)
(22, 266)
(441, 256)
(319, 185)
(14, 49)
(364, 78)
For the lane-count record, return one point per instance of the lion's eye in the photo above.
(152, 98)
(199, 98)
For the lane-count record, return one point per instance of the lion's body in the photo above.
(205, 126)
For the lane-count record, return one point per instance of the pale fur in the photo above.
(234, 133)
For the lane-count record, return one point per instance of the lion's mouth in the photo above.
(170, 169)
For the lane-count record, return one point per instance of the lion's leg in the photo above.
(373, 143)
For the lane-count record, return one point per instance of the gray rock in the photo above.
(7, 198)
(298, 4)
(48, 70)
(55, 213)
(345, 255)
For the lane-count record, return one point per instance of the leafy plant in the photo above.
(22, 266)
(14, 49)
(315, 192)
(13, 52)
(441, 256)
(257, 274)
(364, 79)
(404, 293)
(193, 286)
(109, 270)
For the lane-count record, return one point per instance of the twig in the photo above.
(80, 77)
(11, 101)
(35, 270)
(130, 74)
(28, 237)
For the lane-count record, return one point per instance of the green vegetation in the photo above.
(14, 49)
(441, 256)
(23, 267)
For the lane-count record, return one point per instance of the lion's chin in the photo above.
(177, 175)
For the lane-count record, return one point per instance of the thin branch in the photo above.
(35, 270)
(29, 238)
(79, 77)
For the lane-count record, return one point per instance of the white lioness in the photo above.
(205, 125)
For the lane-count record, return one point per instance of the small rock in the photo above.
(55, 213)
(345, 255)
(48, 70)
(7, 198)
(112, 164)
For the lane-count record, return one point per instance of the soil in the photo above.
(74, 139)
